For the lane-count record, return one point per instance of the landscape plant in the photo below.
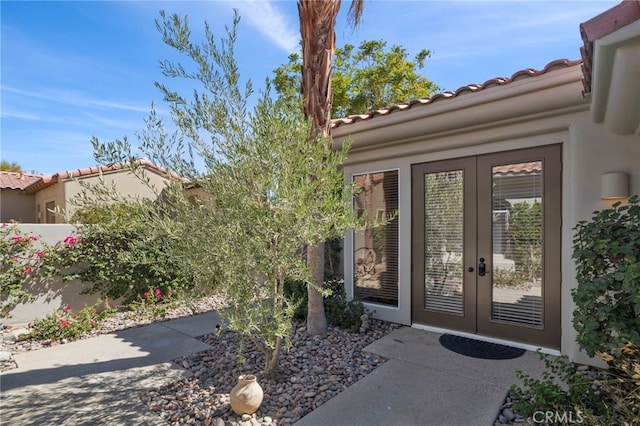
(121, 252)
(265, 190)
(340, 311)
(364, 78)
(153, 304)
(64, 324)
(525, 234)
(607, 254)
(24, 262)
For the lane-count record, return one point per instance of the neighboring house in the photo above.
(30, 198)
(488, 183)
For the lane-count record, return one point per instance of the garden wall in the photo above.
(53, 295)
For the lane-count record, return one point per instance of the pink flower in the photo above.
(168, 292)
(7, 314)
(64, 322)
(66, 308)
(17, 238)
(158, 293)
(28, 270)
(146, 294)
(92, 322)
(33, 238)
(40, 254)
(71, 240)
(29, 325)
(14, 259)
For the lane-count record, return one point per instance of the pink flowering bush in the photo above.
(121, 254)
(64, 324)
(153, 304)
(24, 260)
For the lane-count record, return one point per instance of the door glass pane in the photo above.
(443, 228)
(376, 249)
(517, 243)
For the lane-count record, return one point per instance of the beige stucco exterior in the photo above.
(541, 110)
(16, 205)
(128, 186)
(32, 206)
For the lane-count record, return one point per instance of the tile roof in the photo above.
(599, 26)
(471, 88)
(33, 183)
(519, 168)
(13, 180)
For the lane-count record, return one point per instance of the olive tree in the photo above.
(263, 192)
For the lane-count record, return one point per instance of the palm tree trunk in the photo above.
(317, 28)
(317, 24)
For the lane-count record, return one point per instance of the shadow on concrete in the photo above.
(98, 380)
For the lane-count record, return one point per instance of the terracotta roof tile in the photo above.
(33, 183)
(531, 167)
(471, 88)
(599, 26)
(12, 180)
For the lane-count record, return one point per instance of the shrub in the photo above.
(153, 303)
(611, 397)
(562, 389)
(508, 277)
(622, 385)
(23, 261)
(63, 324)
(607, 254)
(123, 254)
(340, 312)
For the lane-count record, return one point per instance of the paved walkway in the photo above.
(97, 381)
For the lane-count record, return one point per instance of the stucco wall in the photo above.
(17, 206)
(128, 185)
(54, 193)
(50, 296)
(539, 111)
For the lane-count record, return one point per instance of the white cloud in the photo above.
(272, 22)
(73, 98)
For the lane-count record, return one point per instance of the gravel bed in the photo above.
(311, 372)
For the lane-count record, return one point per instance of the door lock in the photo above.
(482, 268)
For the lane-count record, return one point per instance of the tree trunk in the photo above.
(317, 28)
(317, 24)
(316, 318)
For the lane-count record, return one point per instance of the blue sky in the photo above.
(73, 70)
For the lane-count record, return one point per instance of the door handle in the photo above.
(482, 268)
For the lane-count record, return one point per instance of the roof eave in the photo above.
(615, 79)
(542, 94)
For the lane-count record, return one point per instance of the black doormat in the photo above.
(479, 349)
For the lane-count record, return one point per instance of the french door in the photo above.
(486, 245)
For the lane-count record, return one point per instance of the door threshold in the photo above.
(525, 346)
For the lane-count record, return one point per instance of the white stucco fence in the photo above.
(57, 294)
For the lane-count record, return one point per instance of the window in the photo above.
(49, 212)
(375, 254)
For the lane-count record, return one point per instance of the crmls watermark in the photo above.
(559, 417)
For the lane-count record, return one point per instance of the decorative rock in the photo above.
(508, 414)
(246, 417)
(14, 335)
(5, 356)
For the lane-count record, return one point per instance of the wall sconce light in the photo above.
(614, 185)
